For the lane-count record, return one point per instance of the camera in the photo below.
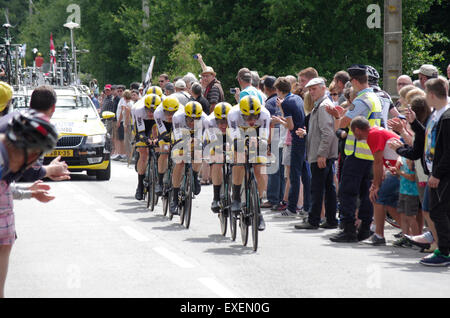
(233, 91)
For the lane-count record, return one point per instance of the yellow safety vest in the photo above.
(361, 148)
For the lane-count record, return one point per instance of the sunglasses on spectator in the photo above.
(334, 94)
(402, 84)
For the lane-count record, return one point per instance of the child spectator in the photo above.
(408, 203)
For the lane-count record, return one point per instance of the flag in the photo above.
(52, 50)
(148, 76)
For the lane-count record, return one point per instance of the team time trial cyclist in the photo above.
(217, 136)
(189, 124)
(146, 133)
(163, 116)
(249, 118)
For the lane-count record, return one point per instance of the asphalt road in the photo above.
(96, 240)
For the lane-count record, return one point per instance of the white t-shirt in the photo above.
(121, 108)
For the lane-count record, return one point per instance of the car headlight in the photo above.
(96, 139)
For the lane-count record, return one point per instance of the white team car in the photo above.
(83, 143)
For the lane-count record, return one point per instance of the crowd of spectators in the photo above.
(347, 155)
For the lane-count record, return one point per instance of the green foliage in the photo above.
(276, 37)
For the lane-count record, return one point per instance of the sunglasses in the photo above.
(334, 94)
(221, 121)
(250, 117)
(168, 113)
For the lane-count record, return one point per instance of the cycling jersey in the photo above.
(179, 123)
(143, 122)
(236, 122)
(161, 120)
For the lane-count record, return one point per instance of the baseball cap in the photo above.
(180, 84)
(108, 86)
(427, 70)
(315, 81)
(269, 81)
(169, 87)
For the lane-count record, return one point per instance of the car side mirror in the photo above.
(108, 115)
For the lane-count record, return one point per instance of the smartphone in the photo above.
(196, 56)
(233, 91)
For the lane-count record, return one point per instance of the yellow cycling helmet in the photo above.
(6, 93)
(152, 101)
(250, 105)
(193, 110)
(221, 110)
(171, 104)
(155, 90)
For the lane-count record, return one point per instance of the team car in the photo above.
(83, 143)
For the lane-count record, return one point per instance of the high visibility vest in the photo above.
(360, 148)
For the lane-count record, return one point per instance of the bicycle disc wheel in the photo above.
(254, 211)
(188, 199)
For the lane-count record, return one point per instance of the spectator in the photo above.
(304, 76)
(255, 83)
(213, 91)
(437, 152)
(190, 79)
(408, 201)
(425, 72)
(403, 105)
(94, 98)
(180, 92)
(169, 89)
(293, 112)
(384, 191)
(275, 182)
(357, 169)
(340, 79)
(163, 80)
(421, 110)
(322, 151)
(244, 79)
(196, 92)
(334, 94)
(123, 111)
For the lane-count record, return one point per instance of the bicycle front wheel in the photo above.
(188, 198)
(254, 212)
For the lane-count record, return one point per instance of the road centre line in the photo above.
(134, 234)
(216, 287)
(107, 215)
(173, 257)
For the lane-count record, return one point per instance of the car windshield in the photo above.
(66, 106)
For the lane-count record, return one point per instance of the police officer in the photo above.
(357, 170)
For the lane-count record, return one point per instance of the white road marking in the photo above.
(216, 287)
(107, 215)
(134, 234)
(173, 257)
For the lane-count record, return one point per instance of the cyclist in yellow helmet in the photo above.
(6, 93)
(217, 129)
(163, 116)
(189, 123)
(146, 132)
(155, 90)
(248, 118)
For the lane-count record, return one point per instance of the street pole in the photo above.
(71, 26)
(145, 25)
(392, 60)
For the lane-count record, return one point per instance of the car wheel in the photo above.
(104, 175)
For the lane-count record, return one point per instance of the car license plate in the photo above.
(62, 153)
